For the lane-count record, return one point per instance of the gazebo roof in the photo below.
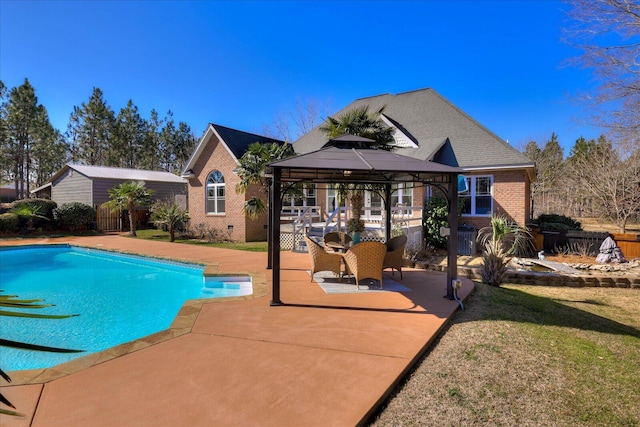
(349, 159)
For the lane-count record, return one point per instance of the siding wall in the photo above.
(163, 190)
(72, 187)
(75, 187)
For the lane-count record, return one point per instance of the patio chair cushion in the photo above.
(364, 260)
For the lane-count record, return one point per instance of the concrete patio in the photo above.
(318, 360)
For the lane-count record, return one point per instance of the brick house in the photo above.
(429, 127)
(212, 179)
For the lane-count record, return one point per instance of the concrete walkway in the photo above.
(319, 360)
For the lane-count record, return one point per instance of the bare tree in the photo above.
(613, 182)
(608, 33)
(292, 125)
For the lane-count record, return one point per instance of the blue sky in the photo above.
(242, 63)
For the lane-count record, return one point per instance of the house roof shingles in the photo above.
(237, 142)
(432, 121)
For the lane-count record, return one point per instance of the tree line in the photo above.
(597, 179)
(32, 150)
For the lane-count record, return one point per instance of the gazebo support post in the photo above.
(387, 206)
(270, 222)
(452, 242)
(274, 213)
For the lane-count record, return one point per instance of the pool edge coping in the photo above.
(182, 324)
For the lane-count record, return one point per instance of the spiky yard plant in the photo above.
(500, 240)
(170, 216)
(494, 263)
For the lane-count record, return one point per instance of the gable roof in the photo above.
(124, 174)
(120, 173)
(433, 124)
(237, 143)
(337, 163)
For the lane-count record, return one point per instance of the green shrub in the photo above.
(8, 222)
(555, 222)
(74, 215)
(436, 215)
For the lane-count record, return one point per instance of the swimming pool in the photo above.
(119, 298)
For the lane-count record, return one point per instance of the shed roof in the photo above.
(104, 172)
(122, 174)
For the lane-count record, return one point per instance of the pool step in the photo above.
(229, 286)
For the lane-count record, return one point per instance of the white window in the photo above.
(478, 199)
(333, 199)
(401, 196)
(306, 198)
(215, 193)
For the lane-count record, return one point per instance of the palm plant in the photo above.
(30, 213)
(10, 302)
(361, 122)
(129, 195)
(251, 172)
(355, 224)
(169, 216)
(500, 240)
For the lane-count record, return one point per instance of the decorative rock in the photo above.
(625, 275)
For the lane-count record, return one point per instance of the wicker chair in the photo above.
(322, 260)
(336, 237)
(364, 260)
(395, 253)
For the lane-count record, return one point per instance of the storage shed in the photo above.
(90, 185)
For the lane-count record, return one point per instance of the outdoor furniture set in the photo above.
(365, 260)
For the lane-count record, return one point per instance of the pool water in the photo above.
(119, 298)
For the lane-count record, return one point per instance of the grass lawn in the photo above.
(163, 236)
(526, 355)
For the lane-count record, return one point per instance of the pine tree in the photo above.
(184, 144)
(32, 149)
(50, 153)
(92, 125)
(125, 148)
(167, 142)
(149, 158)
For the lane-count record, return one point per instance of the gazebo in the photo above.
(351, 159)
